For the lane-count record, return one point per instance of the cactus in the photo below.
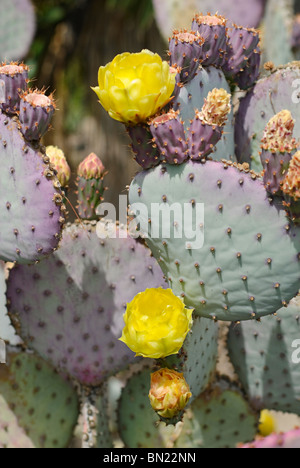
(173, 15)
(262, 357)
(17, 28)
(218, 418)
(272, 94)
(224, 246)
(33, 210)
(44, 403)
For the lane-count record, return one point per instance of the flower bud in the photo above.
(58, 160)
(169, 393)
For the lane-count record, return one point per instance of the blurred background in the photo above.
(65, 42)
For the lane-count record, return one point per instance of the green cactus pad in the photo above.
(95, 415)
(219, 418)
(266, 359)
(197, 358)
(7, 332)
(45, 404)
(191, 97)
(245, 263)
(271, 94)
(138, 423)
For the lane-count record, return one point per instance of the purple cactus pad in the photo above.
(241, 44)
(213, 30)
(250, 75)
(185, 50)
(275, 166)
(13, 81)
(145, 152)
(36, 111)
(169, 135)
(70, 306)
(202, 138)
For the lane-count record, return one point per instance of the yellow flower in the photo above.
(156, 323)
(267, 423)
(134, 87)
(169, 392)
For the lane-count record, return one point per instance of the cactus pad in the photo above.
(17, 28)
(219, 418)
(246, 262)
(92, 280)
(138, 423)
(30, 198)
(262, 354)
(45, 404)
(197, 358)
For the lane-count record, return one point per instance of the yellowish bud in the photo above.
(169, 393)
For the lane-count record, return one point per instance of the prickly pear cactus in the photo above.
(33, 210)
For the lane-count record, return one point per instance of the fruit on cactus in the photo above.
(185, 50)
(36, 111)
(134, 87)
(242, 43)
(91, 187)
(213, 29)
(14, 78)
(169, 136)
(169, 393)
(156, 323)
(145, 152)
(60, 164)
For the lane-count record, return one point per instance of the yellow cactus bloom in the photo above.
(169, 392)
(134, 87)
(156, 323)
(267, 423)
